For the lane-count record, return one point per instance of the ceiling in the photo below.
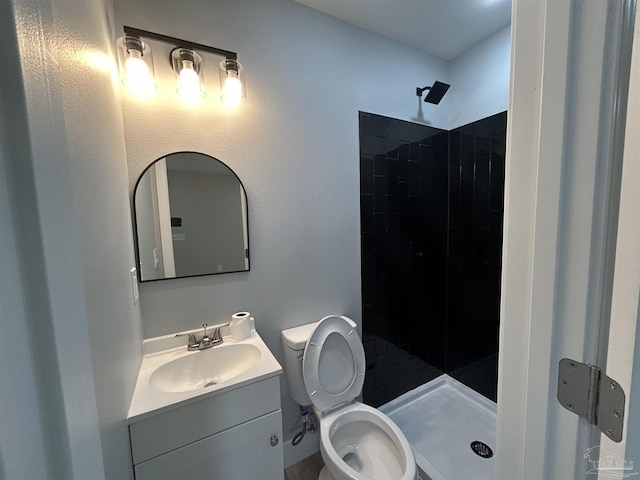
(443, 28)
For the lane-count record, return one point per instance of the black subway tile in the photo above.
(366, 174)
(434, 246)
(371, 145)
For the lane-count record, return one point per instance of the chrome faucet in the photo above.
(204, 342)
(193, 344)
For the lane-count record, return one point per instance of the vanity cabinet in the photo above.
(236, 434)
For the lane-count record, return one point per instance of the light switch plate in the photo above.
(134, 285)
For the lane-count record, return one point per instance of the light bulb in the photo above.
(232, 89)
(137, 71)
(189, 88)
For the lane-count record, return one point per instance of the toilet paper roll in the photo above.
(240, 315)
(240, 326)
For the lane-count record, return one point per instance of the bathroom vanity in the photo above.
(207, 414)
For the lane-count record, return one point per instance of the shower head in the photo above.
(436, 92)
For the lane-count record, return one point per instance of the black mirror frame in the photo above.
(135, 223)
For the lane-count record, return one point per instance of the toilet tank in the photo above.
(293, 342)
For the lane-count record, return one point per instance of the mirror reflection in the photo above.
(190, 218)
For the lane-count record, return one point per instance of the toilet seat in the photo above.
(333, 366)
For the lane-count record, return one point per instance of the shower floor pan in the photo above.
(441, 419)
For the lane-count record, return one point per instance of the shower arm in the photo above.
(420, 90)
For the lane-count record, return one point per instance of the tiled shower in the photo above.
(431, 233)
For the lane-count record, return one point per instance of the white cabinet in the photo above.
(235, 435)
(239, 453)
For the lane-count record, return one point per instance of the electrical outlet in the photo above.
(134, 285)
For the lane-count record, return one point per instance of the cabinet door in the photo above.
(239, 453)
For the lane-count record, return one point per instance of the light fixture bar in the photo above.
(179, 42)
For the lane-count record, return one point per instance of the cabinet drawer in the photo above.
(243, 452)
(180, 426)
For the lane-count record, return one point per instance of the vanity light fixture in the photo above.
(187, 63)
(136, 64)
(188, 67)
(232, 81)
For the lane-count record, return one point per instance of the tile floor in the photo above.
(306, 469)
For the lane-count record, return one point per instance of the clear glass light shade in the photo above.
(136, 65)
(233, 86)
(187, 65)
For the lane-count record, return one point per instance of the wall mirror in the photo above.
(190, 213)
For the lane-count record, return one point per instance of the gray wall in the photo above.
(97, 160)
(211, 213)
(480, 80)
(295, 147)
(73, 244)
(21, 428)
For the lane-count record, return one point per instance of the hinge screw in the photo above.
(608, 432)
(616, 413)
(570, 406)
(612, 385)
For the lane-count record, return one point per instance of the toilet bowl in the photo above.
(368, 442)
(325, 367)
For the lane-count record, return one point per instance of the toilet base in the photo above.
(325, 474)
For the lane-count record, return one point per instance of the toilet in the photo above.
(325, 367)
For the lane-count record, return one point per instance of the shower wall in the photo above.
(431, 230)
(476, 193)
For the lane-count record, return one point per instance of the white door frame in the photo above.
(622, 355)
(560, 136)
(527, 301)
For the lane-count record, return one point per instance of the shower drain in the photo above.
(481, 449)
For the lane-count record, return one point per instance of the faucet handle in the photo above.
(205, 341)
(217, 334)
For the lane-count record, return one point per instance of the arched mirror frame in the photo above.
(135, 220)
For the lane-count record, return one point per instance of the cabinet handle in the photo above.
(274, 440)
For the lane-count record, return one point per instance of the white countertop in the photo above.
(147, 402)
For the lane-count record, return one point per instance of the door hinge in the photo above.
(588, 392)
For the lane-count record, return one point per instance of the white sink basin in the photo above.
(204, 368)
(170, 376)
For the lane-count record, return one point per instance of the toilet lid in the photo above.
(333, 365)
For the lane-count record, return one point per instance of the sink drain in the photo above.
(481, 449)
